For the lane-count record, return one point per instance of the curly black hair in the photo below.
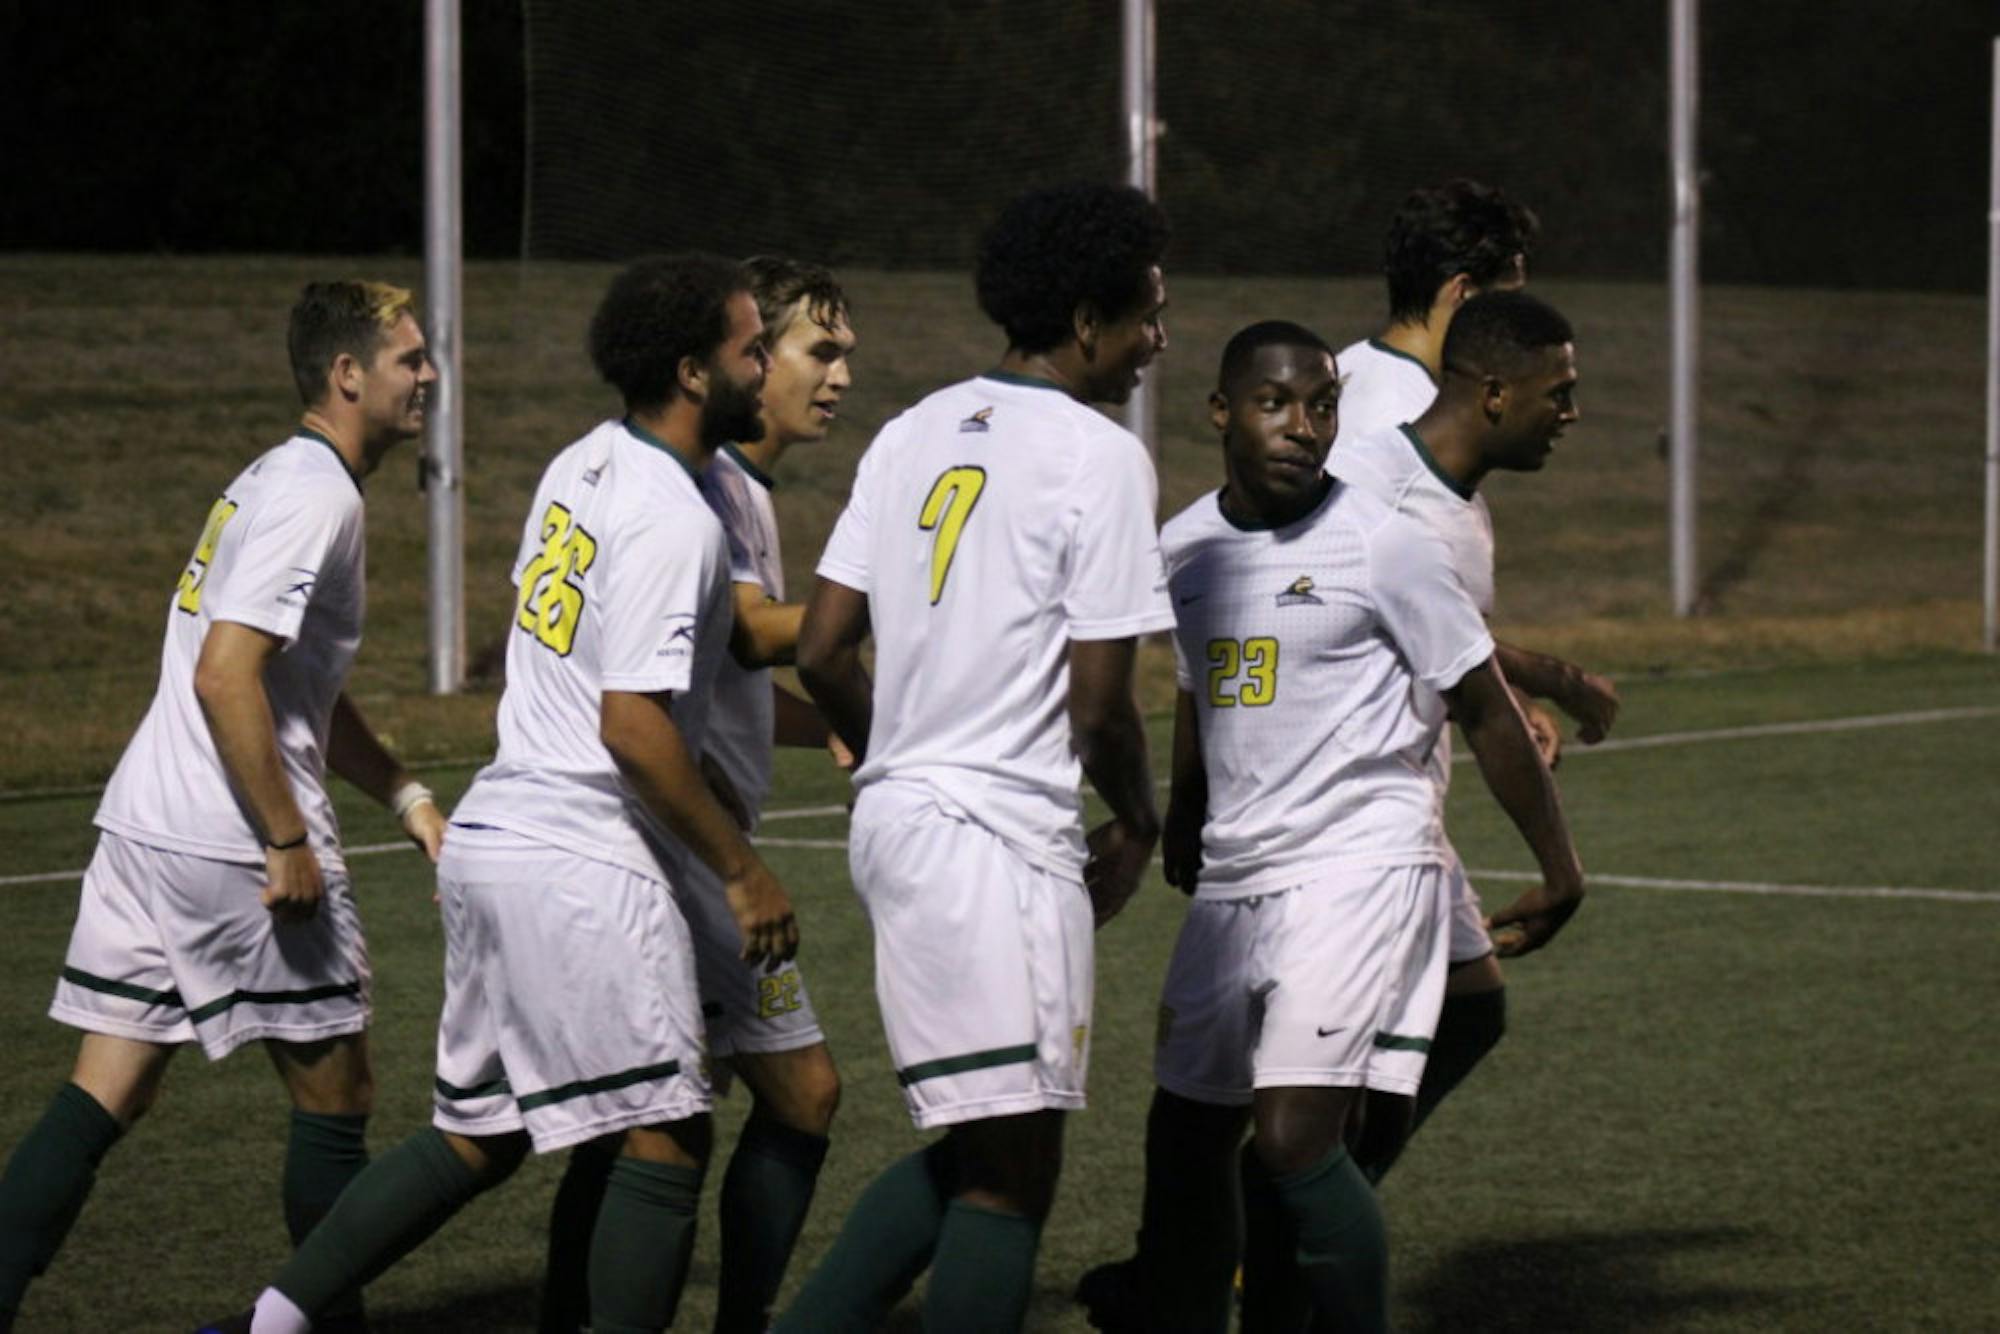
(1458, 227)
(1051, 250)
(657, 311)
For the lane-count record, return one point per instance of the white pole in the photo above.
(1992, 637)
(1684, 318)
(1141, 171)
(444, 443)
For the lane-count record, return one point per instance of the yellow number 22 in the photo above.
(946, 509)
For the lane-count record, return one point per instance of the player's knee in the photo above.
(815, 1099)
(492, 1158)
(1298, 1127)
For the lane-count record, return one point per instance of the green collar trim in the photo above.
(641, 433)
(1027, 381)
(1386, 350)
(757, 474)
(333, 449)
(1325, 494)
(1458, 488)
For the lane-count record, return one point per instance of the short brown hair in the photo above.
(331, 318)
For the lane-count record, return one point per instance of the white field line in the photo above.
(1811, 727)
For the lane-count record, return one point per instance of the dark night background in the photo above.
(1843, 144)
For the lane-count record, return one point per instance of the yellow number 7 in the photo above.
(946, 509)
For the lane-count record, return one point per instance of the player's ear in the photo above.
(345, 376)
(1086, 323)
(692, 375)
(1218, 410)
(1493, 397)
(1458, 290)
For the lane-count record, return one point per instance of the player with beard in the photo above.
(762, 1026)
(999, 544)
(571, 1014)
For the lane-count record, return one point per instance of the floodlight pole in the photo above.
(1141, 171)
(1992, 631)
(1684, 318)
(444, 437)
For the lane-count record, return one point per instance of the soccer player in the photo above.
(1322, 638)
(1446, 246)
(760, 1022)
(217, 908)
(571, 1013)
(999, 541)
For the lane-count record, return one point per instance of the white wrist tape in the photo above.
(408, 796)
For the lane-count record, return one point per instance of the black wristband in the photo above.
(298, 842)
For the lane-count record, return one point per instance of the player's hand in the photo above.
(1531, 921)
(843, 758)
(726, 795)
(425, 824)
(1593, 701)
(1542, 730)
(292, 888)
(763, 913)
(1118, 859)
(1180, 848)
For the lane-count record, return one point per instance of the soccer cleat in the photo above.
(1113, 1297)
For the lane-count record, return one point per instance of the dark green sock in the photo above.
(983, 1272)
(323, 1153)
(765, 1195)
(885, 1243)
(1468, 1027)
(384, 1214)
(1343, 1248)
(1275, 1299)
(572, 1222)
(640, 1249)
(46, 1182)
(1191, 1222)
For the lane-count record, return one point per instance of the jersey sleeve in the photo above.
(724, 494)
(663, 575)
(1116, 581)
(266, 570)
(1424, 604)
(845, 559)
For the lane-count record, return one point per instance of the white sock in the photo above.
(275, 1313)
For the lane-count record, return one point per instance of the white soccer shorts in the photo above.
(983, 960)
(747, 1009)
(570, 1008)
(1469, 939)
(171, 948)
(1333, 983)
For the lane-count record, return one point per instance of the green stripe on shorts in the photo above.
(1400, 1042)
(958, 1065)
(91, 982)
(304, 997)
(453, 1093)
(527, 1102)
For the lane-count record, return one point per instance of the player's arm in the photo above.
(830, 666)
(355, 753)
(766, 631)
(1493, 727)
(797, 722)
(1110, 741)
(1585, 696)
(229, 685)
(640, 732)
(1187, 799)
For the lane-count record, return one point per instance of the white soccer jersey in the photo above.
(282, 552)
(1316, 654)
(1379, 387)
(622, 583)
(741, 715)
(1395, 466)
(989, 525)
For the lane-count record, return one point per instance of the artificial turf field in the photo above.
(1742, 1101)
(1759, 1106)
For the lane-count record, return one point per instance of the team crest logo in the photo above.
(1300, 592)
(976, 422)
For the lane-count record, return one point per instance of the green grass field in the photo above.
(1741, 1100)
(1717, 1109)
